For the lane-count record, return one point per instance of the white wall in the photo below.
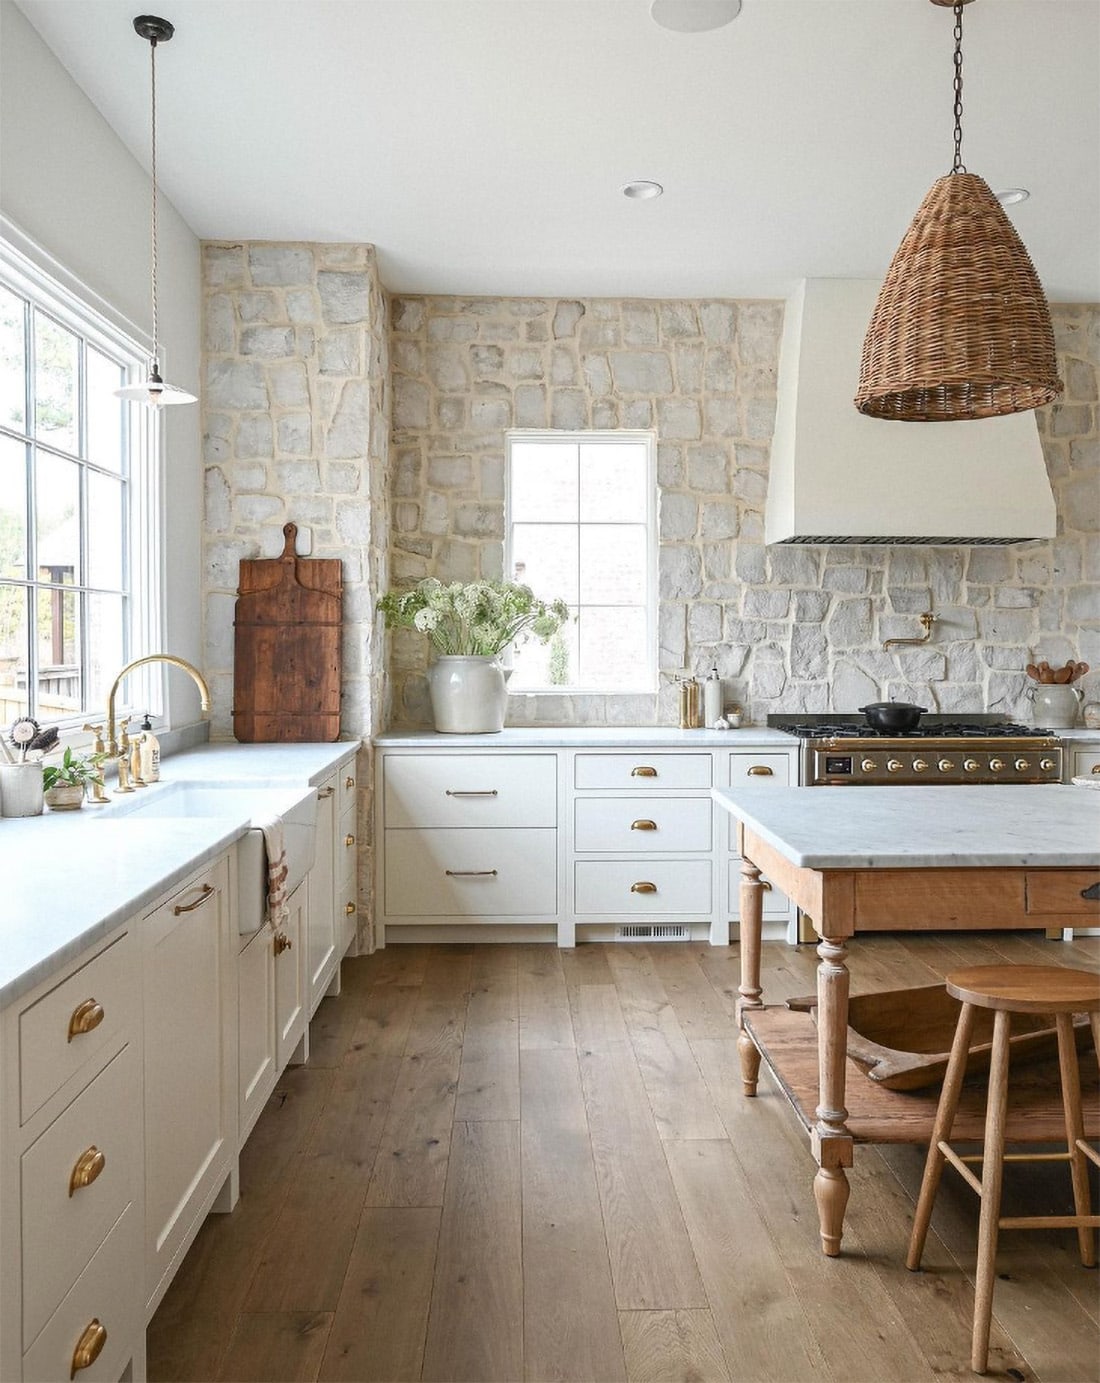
(69, 184)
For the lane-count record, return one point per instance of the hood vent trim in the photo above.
(810, 540)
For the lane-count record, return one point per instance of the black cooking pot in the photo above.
(892, 716)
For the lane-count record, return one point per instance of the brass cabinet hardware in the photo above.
(643, 825)
(87, 1167)
(765, 885)
(470, 873)
(643, 886)
(349, 781)
(282, 943)
(470, 792)
(349, 839)
(349, 908)
(88, 1347)
(85, 1017)
(207, 892)
(1095, 768)
(643, 771)
(761, 771)
(322, 793)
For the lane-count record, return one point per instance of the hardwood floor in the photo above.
(516, 1163)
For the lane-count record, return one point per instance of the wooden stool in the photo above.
(1009, 989)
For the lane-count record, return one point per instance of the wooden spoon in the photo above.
(1033, 672)
(1062, 676)
(1079, 670)
(1046, 673)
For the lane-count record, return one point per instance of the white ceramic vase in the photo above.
(1055, 705)
(469, 695)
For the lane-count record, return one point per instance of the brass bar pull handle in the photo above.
(282, 943)
(1092, 893)
(88, 1166)
(471, 792)
(643, 886)
(349, 840)
(85, 1017)
(643, 771)
(470, 873)
(88, 1347)
(349, 781)
(322, 793)
(761, 771)
(207, 892)
(643, 825)
(349, 908)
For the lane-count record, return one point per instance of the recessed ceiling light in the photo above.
(1011, 195)
(694, 16)
(642, 190)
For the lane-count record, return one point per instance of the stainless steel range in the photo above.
(980, 748)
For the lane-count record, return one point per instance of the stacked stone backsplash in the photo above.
(296, 428)
(790, 628)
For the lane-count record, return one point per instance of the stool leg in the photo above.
(1075, 1129)
(941, 1132)
(992, 1170)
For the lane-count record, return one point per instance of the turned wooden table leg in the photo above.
(752, 924)
(831, 1140)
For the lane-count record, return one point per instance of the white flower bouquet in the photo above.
(475, 619)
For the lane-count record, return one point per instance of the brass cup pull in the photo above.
(322, 793)
(1095, 768)
(207, 892)
(761, 771)
(85, 1017)
(470, 873)
(349, 781)
(349, 840)
(349, 908)
(765, 885)
(282, 943)
(643, 886)
(88, 1167)
(88, 1347)
(643, 825)
(643, 771)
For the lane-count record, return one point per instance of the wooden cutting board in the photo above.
(286, 666)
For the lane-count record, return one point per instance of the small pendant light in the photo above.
(153, 390)
(961, 328)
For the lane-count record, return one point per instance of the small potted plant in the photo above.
(64, 783)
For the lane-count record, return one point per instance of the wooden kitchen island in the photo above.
(865, 859)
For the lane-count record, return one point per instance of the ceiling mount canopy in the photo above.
(961, 328)
(153, 390)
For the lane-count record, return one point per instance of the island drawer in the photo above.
(1086, 763)
(643, 887)
(462, 790)
(642, 771)
(642, 824)
(1052, 891)
(490, 873)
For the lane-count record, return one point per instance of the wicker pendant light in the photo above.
(961, 328)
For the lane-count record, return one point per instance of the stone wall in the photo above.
(296, 426)
(790, 628)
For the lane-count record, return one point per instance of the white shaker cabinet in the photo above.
(333, 895)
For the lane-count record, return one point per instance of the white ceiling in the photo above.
(481, 144)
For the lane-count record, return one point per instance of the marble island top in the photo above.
(1043, 826)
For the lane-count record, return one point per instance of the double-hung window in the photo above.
(581, 526)
(78, 536)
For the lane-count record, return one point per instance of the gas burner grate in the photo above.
(858, 729)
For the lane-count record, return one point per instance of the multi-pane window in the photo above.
(68, 457)
(582, 527)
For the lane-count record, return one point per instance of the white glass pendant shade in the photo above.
(154, 392)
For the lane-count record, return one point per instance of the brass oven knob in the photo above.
(893, 765)
(919, 765)
(868, 765)
(1022, 765)
(995, 765)
(946, 765)
(1047, 764)
(971, 765)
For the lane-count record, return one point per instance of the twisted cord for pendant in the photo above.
(153, 89)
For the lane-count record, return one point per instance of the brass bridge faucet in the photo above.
(170, 658)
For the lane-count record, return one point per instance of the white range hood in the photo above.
(838, 476)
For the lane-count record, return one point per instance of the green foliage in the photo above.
(73, 770)
(559, 661)
(480, 618)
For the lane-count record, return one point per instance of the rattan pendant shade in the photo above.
(961, 328)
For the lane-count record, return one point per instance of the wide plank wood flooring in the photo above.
(517, 1163)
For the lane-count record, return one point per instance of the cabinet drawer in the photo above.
(107, 1291)
(77, 1023)
(62, 1228)
(493, 873)
(776, 904)
(642, 824)
(471, 790)
(642, 770)
(1053, 891)
(612, 886)
(747, 766)
(1086, 763)
(346, 781)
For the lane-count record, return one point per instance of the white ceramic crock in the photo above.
(469, 695)
(1055, 705)
(21, 789)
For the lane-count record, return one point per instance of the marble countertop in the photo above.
(1042, 825)
(590, 737)
(70, 878)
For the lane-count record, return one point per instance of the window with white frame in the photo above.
(581, 526)
(78, 532)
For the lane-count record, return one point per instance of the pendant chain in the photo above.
(153, 88)
(958, 166)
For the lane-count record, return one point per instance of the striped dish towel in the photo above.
(275, 846)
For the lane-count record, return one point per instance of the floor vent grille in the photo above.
(653, 931)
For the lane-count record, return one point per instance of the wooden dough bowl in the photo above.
(901, 1038)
